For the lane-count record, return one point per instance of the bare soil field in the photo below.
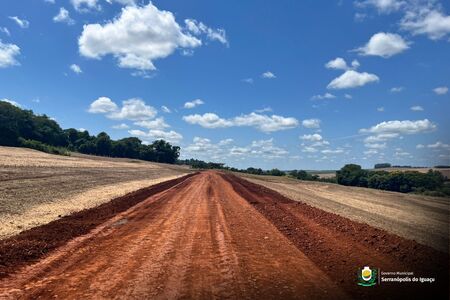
(416, 217)
(36, 187)
(211, 235)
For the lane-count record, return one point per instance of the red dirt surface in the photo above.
(339, 246)
(30, 245)
(199, 239)
(209, 236)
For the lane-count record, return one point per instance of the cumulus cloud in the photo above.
(384, 44)
(248, 80)
(428, 21)
(352, 79)
(338, 63)
(383, 6)
(382, 137)
(324, 96)
(402, 127)
(85, 5)
(442, 90)
(438, 144)
(311, 123)
(158, 123)
(156, 134)
(123, 2)
(21, 22)
(193, 103)
(331, 151)
(63, 16)
(133, 109)
(102, 105)
(261, 122)
(76, 68)
(312, 137)
(8, 53)
(268, 75)
(138, 37)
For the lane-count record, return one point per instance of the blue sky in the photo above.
(291, 84)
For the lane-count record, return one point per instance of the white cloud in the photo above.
(383, 6)
(5, 31)
(324, 96)
(133, 109)
(63, 16)
(21, 22)
(121, 126)
(85, 5)
(382, 137)
(375, 145)
(8, 53)
(401, 127)
(138, 37)
(416, 108)
(330, 151)
(268, 75)
(248, 80)
(348, 96)
(384, 44)
(380, 109)
(123, 2)
(261, 122)
(309, 149)
(11, 102)
(50, 1)
(340, 64)
(156, 134)
(193, 103)
(438, 144)
(166, 109)
(265, 109)
(442, 90)
(312, 137)
(158, 123)
(352, 79)
(337, 63)
(429, 21)
(420, 146)
(102, 105)
(197, 28)
(208, 120)
(311, 123)
(397, 89)
(76, 68)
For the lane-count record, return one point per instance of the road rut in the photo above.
(199, 239)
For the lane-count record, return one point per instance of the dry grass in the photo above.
(36, 187)
(421, 218)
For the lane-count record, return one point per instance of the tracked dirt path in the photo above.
(199, 239)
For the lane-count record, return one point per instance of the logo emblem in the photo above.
(367, 276)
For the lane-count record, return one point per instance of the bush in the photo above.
(382, 166)
(36, 145)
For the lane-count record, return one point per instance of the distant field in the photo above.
(36, 187)
(330, 173)
(422, 218)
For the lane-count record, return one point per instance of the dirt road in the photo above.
(199, 239)
(214, 235)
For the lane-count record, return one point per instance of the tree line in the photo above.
(23, 128)
(430, 183)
